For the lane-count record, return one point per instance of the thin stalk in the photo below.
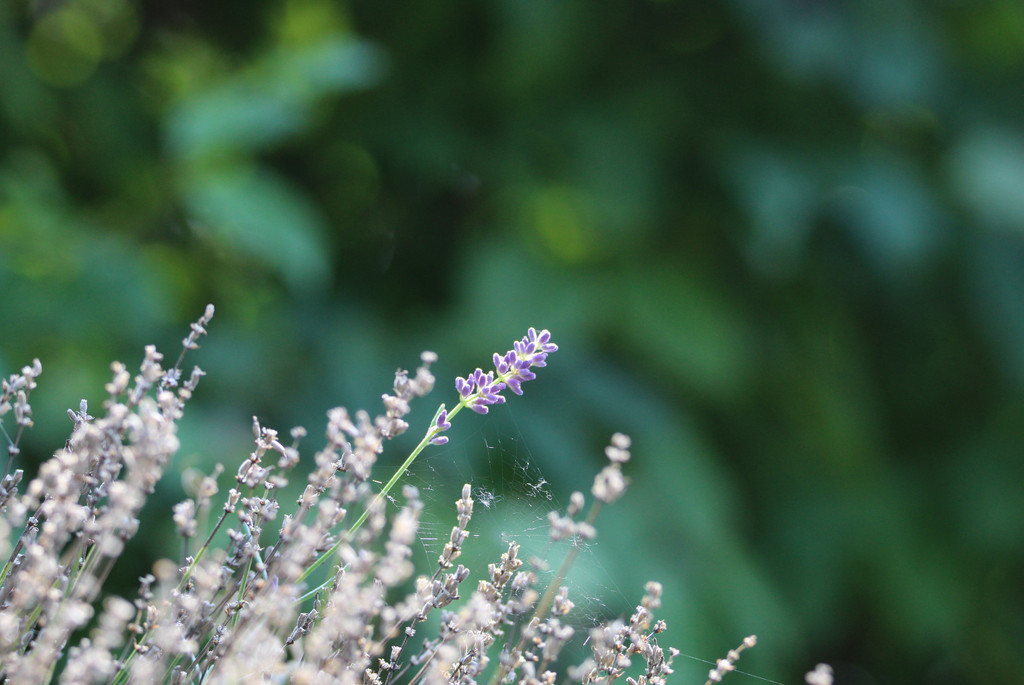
(399, 472)
(13, 443)
(202, 550)
(17, 550)
(544, 605)
(125, 670)
(399, 629)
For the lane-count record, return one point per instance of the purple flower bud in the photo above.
(441, 424)
(542, 339)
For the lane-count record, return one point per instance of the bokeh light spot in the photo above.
(65, 47)
(557, 221)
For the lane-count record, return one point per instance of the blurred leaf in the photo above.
(257, 213)
(231, 116)
(780, 195)
(272, 100)
(696, 336)
(891, 214)
(987, 172)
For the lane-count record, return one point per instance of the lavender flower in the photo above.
(481, 389)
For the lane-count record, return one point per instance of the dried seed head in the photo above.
(609, 484)
(821, 675)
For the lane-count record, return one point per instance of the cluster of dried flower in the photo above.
(235, 613)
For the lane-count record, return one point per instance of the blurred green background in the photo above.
(780, 243)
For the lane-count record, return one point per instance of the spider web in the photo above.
(512, 498)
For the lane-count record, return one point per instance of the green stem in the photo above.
(432, 432)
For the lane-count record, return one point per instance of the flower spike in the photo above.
(480, 390)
